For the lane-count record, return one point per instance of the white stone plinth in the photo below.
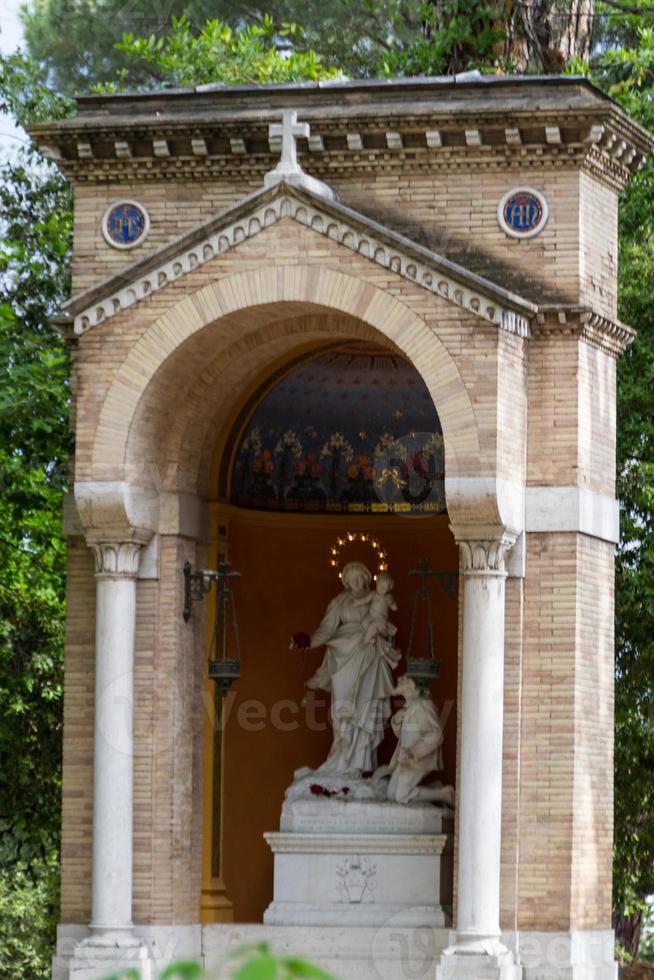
(96, 960)
(364, 817)
(478, 966)
(163, 945)
(360, 864)
(389, 952)
(393, 951)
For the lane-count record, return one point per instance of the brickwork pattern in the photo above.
(79, 684)
(511, 752)
(454, 352)
(169, 677)
(453, 213)
(593, 799)
(566, 741)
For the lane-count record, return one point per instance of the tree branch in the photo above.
(635, 11)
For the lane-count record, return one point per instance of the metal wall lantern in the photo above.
(425, 669)
(222, 669)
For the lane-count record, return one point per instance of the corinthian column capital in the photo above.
(116, 559)
(484, 553)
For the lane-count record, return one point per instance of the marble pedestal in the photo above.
(361, 863)
(96, 960)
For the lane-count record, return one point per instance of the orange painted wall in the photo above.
(285, 587)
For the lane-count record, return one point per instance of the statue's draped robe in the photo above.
(359, 678)
(419, 748)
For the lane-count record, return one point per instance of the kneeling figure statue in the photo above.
(419, 749)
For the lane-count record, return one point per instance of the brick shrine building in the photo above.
(437, 269)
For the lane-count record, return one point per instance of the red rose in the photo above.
(302, 640)
(315, 469)
(367, 774)
(317, 790)
(345, 790)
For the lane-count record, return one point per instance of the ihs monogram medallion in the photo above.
(522, 212)
(125, 224)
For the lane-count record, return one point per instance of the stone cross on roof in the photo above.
(289, 129)
(288, 168)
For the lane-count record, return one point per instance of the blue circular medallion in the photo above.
(522, 212)
(125, 224)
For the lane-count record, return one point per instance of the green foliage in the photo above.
(182, 971)
(617, 23)
(78, 41)
(176, 971)
(628, 75)
(255, 961)
(252, 961)
(24, 94)
(219, 53)
(34, 445)
(35, 226)
(457, 35)
(28, 917)
(646, 949)
(75, 40)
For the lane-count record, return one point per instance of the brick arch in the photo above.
(205, 413)
(245, 301)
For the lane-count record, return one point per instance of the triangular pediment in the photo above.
(353, 230)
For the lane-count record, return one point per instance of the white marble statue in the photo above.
(379, 604)
(418, 751)
(356, 670)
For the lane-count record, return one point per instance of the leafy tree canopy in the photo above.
(219, 53)
(80, 42)
(628, 75)
(75, 40)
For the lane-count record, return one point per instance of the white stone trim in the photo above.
(364, 952)
(427, 274)
(299, 843)
(309, 914)
(116, 559)
(165, 945)
(486, 500)
(111, 507)
(573, 509)
(149, 565)
(485, 556)
(125, 246)
(587, 954)
(481, 501)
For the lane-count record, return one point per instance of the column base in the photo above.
(98, 956)
(470, 965)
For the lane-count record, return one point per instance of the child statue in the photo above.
(379, 603)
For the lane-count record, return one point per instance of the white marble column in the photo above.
(476, 942)
(116, 567)
(111, 945)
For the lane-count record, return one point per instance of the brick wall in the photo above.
(79, 681)
(453, 213)
(565, 845)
